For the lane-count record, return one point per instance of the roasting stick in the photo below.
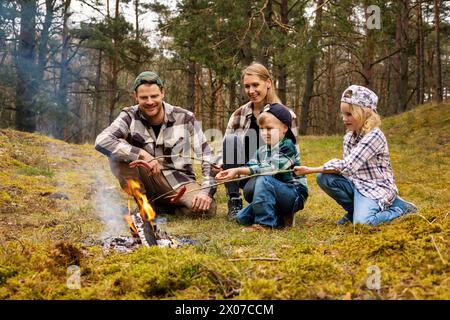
(142, 163)
(215, 165)
(232, 180)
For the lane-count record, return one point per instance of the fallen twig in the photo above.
(430, 223)
(255, 259)
(439, 252)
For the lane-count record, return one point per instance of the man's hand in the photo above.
(216, 169)
(227, 174)
(154, 166)
(201, 202)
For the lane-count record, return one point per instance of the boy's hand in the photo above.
(301, 170)
(227, 174)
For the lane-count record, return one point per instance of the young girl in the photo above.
(362, 182)
(275, 198)
(242, 136)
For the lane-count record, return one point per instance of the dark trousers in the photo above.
(236, 152)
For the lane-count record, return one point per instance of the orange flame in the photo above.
(145, 208)
(130, 223)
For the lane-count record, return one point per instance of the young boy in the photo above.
(363, 181)
(273, 199)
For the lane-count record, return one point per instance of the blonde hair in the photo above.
(264, 116)
(257, 69)
(366, 118)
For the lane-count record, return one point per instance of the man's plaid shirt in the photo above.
(180, 133)
(367, 164)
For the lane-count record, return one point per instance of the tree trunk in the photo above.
(232, 97)
(212, 105)
(136, 13)
(307, 95)
(97, 86)
(309, 74)
(43, 43)
(420, 71)
(190, 98)
(438, 71)
(246, 50)
(61, 114)
(401, 59)
(282, 73)
(219, 106)
(368, 52)
(114, 69)
(198, 93)
(330, 82)
(26, 87)
(264, 38)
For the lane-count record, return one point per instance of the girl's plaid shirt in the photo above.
(367, 164)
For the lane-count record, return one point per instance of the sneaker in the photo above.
(409, 207)
(289, 220)
(234, 206)
(345, 219)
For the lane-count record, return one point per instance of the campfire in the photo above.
(143, 226)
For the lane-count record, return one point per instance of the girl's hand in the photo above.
(301, 170)
(227, 174)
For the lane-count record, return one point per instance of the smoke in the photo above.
(109, 205)
(106, 197)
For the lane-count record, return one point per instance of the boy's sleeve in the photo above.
(367, 148)
(281, 159)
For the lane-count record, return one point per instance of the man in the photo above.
(155, 129)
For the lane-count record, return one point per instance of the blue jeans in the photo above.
(363, 209)
(272, 199)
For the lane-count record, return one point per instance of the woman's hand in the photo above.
(227, 174)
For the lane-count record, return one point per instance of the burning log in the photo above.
(141, 224)
(133, 229)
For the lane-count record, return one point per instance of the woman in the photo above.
(242, 136)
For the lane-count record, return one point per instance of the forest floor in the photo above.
(41, 235)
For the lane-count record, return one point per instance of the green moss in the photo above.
(313, 260)
(32, 171)
(6, 273)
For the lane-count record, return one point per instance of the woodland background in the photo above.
(68, 77)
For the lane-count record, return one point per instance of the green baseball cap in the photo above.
(147, 76)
